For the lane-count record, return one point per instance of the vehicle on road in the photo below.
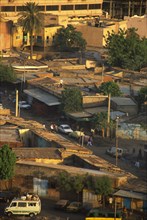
(24, 206)
(74, 207)
(76, 134)
(61, 204)
(7, 196)
(65, 129)
(24, 105)
(120, 152)
(105, 214)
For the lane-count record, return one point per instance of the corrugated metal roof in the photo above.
(115, 114)
(34, 153)
(96, 110)
(43, 96)
(81, 114)
(9, 134)
(130, 194)
(123, 101)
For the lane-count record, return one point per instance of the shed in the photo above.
(131, 200)
(124, 104)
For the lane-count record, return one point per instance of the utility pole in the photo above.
(108, 117)
(102, 74)
(129, 8)
(110, 10)
(16, 106)
(116, 140)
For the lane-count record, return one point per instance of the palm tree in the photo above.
(31, 20)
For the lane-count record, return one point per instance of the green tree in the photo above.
(100, 122)
(7, 73)
(7, 162)
(78, 183)
(68, 39)
(100, 186)
(126, 49)
(142, 96)
(64, 181)
(71, 100)
(31, 19)
(110, 88)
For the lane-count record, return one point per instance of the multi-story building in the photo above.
(63, 9)
(121, 8)
(70, 8)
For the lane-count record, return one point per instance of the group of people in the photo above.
(53, 127)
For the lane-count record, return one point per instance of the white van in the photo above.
(24, 206)
(120, 152)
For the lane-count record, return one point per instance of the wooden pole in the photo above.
(108, 117)
(16, 107)
(116, 141)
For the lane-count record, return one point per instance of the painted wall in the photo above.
(132, 131)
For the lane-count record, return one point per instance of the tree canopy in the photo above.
(31, 19)
(64, 181)
(126, 49)
(71, 100)
(7, 162)
(7, 73)
(142, 96)
(100, 186)
(110, 88)
(68, 39)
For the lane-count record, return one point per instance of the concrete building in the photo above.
(120, 8)
(124, 104)
(100, 33)
(59, 13)
(139, 23)
(75, 8)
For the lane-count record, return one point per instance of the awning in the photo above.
(130, 194)
(80, 116)
(43, 96)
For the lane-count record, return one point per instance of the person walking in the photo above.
(89, 143)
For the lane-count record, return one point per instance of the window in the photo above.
(20, 8)
(47, 39)
(22, 204)
(39, 39)
(7, 8)
(94, 6)
(80, 7)
(17, 37)
(41, 8)
(14, 204)
(52, 8)
(31, 204)
(66, 7)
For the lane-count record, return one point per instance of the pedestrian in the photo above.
(124, 213)
(52, 127)
(110, 201)
(61, 83)
(89, 143)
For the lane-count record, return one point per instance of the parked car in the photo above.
(76, 134)
(65, 129)
(62, 204)
(120, 152)
(79, 134)
(7, 196)
(74, 207)
(24, 105)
